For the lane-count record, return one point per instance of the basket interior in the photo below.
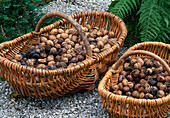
(115, 74)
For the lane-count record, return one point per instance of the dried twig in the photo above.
(3, 32)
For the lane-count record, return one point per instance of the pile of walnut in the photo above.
(142, 79)
(64, 49)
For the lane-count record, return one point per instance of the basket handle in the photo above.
(124, 56)
(72, 21)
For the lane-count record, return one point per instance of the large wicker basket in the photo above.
(124, 106)
(59, 82)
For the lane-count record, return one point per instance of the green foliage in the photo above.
(18, 17)
(133, 30)
(1, 79)
(123, 8)
(146, 20)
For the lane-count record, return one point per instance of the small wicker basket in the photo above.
(124, 106)
(59, 82)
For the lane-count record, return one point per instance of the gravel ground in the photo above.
(77, 6)
(83, 104)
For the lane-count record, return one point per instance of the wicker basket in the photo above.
(124, 106)
(59, 82)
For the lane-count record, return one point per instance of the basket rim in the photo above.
(85, 63)
(149, 43)
(136, 101)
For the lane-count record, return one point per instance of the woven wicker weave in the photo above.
(59, 82)
(124, 106)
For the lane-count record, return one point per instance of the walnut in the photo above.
(115, 87)
(123, 73)
(137, 66)
(160, 93)
(41, 66)
(52, 37)
(140, 60)
(60, 31)
(31, 62)
(148, 63)
(141, 95)
(156, 64)
(121, 77)
(54, 32)
(99, 33)
(111, 34)
(148, 71)
(163, 87)
(74, 60)
(51, 63)
(57, 46)
(100, 44)
(126, 89)
(64, 60)
(141, 89)
(96, 50)
(135, 73)
(50, 58)
(129, 77)
(72, 31)
(120, 86)
(135, 94)
(43, 39)
(130, 85)
(128, 93)
(74, 39)
(125, 82)
(133, 61)
(148, 96)
(53, 51)
(126, 66)
(160, 78)
(167, 79)
(42, 61)
(49, 42)
(18, 57)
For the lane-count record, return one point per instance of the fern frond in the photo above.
(166, 11)
(113, 3)
(133, 30)
(149, 21)
(164, 34)
(124, 8)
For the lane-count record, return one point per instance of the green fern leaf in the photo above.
(166, 36)
(113, 3)
(149, 21)
(166, 21)
(132, 4)
(143, 18)
(124, 8)
(164, 33)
